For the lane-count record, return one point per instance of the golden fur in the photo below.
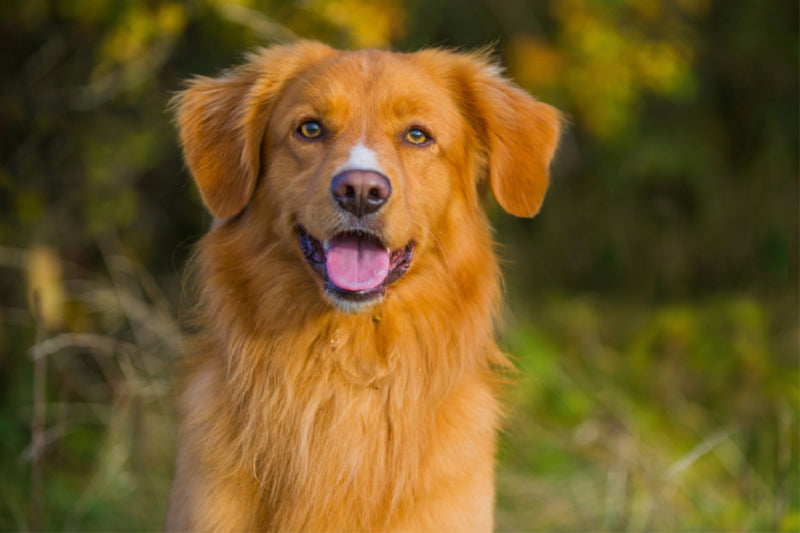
(302, 411)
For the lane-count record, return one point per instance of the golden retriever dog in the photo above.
(344, 376)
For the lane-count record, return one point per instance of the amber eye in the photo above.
(417, 136)
(310, 129)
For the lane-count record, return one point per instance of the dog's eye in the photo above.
(417, 136)
(310, 129)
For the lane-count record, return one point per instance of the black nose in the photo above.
(361, 191)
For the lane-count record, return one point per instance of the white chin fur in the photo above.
(351, 307)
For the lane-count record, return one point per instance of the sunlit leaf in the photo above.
(372, 24)
(46, 294)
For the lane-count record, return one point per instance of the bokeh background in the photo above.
(653, 303)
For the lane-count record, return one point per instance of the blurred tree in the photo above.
(677, 181)
(680, 170)
(680, 156)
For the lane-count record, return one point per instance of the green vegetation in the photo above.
(653, 303)
(630, 418)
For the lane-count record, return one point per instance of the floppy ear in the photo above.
(522, 135)
(222, 122)
(519, 134)
(222, 159)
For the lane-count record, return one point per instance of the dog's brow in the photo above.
(410, 106)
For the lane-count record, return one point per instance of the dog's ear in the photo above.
(222, 159)
(522, 136)
(518, 133)
(222, 122)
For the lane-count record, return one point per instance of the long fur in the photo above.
(297, 415)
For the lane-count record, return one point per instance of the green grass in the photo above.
(625, 416)
(681, 417)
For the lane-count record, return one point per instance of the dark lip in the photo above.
(314, 253)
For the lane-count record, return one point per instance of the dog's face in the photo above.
(368, 140)
(356, 160)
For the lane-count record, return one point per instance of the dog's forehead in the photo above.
(390, 80)
(362, 92)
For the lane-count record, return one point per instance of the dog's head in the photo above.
(357, 160)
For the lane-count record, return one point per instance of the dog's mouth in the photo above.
(355, 266)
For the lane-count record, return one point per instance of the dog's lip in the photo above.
(315, 252)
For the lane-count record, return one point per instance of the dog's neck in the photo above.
(359, 393)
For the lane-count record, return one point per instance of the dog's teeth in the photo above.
(326, 244)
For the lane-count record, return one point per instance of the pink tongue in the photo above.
(356, 263)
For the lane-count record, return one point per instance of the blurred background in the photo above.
(653, 303)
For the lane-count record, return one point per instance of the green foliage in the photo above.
(629, 418)
(658, 389)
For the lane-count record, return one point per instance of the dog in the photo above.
(345, 373)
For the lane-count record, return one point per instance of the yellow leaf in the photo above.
(370, 24)
(46, 295)
(533, 63)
